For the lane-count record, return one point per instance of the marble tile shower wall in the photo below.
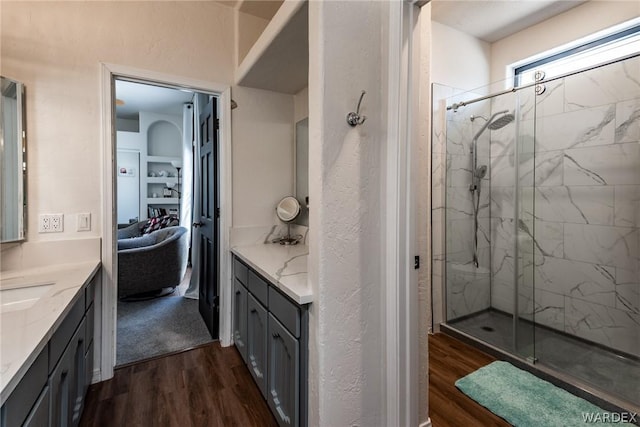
(468, 289)
(580, 148)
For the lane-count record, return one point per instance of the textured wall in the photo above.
(56, 48)
(581, 21)
(347, 54)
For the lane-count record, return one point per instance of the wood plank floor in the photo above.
(207, 386)
(450, 360)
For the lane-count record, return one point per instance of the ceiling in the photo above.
(491, 20)
(154, 99)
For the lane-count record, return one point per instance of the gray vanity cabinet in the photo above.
(66, 396)
(240, 318)
(39, 415)
(283, 393)
(275, 343)
(257, 343)
(52, 392)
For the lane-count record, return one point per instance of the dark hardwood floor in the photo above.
(211, 386)
(450, 360)
(207, 386)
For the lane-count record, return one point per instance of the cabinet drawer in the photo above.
(285, 311)
(25, 395)
(240, 271)
(61, 337)
(258, 288)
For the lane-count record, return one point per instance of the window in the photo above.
(604, 47)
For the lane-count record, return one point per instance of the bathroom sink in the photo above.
(20, 297)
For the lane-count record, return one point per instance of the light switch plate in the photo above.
(84, 222)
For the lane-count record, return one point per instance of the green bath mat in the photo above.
(525, 400)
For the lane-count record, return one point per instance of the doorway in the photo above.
(157, 137)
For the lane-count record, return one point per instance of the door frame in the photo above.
(108, 72)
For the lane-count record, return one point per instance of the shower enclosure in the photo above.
(536, 224)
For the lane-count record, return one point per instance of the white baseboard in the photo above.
(97, 376)
(426, 423)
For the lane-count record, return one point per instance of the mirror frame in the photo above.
(303, 199)
(281, 209)
(22, 162)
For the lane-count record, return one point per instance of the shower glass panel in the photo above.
(540, 254)
(587, 210)
(488, 276)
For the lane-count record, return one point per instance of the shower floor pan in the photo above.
(593, 366)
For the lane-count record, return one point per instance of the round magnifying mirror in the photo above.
(288, 209)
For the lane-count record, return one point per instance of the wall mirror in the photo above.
(13, 159)
(302, 171)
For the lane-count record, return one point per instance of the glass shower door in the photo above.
(587, 229)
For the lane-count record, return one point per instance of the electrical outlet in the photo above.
(51, 223)
(84, 222)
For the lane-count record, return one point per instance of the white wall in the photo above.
(571, 25)
(56, 48)
(127, 125)
(422, 183)
(301, 105)
(458, 59)
(262, 151)
(347, 54)
(249, 28)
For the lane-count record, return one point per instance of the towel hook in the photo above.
(355, 119)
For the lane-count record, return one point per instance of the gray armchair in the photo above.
(152, 261)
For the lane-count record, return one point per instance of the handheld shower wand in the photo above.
(479, 172)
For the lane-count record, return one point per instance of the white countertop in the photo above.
(284, 266)
(25, 332)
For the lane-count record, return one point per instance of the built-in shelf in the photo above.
(162, 200)
(161, 159)
(162, 180)
(285, 40)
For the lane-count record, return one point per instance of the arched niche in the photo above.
(164, 139)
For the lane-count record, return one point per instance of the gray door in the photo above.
(208, 218)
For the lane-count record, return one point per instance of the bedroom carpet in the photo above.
(158, 326)
(525, 400)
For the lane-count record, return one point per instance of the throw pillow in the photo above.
(156, 223)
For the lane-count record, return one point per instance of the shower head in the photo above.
(481, 171)
(501, 122)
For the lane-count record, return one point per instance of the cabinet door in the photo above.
(283, 392)
(60, 390)
(76, 345)
(39, 415)
(257, 343)
(88, 368)
(66, 383)
(240, 318)
(24, 397)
